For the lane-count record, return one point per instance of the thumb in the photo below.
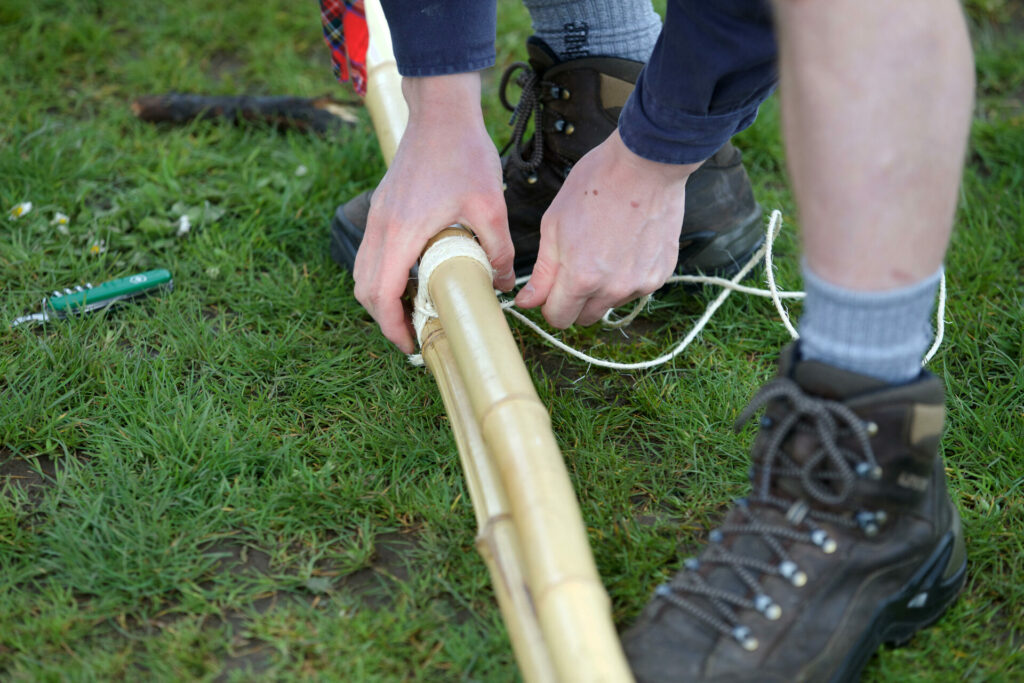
(542, 279)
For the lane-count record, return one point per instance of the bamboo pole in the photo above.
(384, 100)
(497, 541)
(571, 605)
(531, 532)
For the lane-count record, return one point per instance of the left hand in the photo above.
(611, 235)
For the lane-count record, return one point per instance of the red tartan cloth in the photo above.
(346, 34)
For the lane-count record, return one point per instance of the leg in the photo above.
(848, 538)
(585, 28)
(875, 121)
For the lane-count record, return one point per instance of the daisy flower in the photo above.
(19, 210)
(61, 220)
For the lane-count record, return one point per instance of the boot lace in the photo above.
(827, 477)
(529, 105)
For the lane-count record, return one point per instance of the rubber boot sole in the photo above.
(920, 603)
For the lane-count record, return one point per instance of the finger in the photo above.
(395, 325)
(564, 303)
(379, 287)
(489, 221)
(593, 310)
(383, 301)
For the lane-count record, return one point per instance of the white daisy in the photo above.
(61, 220)
(19, 210)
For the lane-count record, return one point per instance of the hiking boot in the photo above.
(848, 540)
(576, 104)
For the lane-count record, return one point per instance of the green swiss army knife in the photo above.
(88, 298)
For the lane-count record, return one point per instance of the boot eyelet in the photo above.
(822, 540)
(788, 570)
(766, 422)
(868, 522)
(531, 179)
(563, 126)
(873, 472)
(741, 634)
(767, 607)
(871, 428)
(556, 92)
(564, 93)
(504, 186)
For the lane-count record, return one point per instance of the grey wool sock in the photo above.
(626, 29)
(880, 334)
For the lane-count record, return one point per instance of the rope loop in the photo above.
(451, 247)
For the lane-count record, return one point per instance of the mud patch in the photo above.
(31, 474)
(372, 587)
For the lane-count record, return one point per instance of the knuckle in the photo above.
(367, 296)
(650, 284)
(584, 281)
(619, 291)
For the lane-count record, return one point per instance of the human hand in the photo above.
(446, 170)
(610, 236)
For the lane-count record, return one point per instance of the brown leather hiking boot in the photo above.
(848, 540)
(577, 105)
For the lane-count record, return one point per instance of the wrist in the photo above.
(668, 172)
(452, 99)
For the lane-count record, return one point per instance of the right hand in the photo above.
(446, 170)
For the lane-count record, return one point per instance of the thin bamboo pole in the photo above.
(531, 532)
(384, 100)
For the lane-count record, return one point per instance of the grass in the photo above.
(242, 478)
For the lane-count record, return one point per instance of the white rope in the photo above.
(439, 252)
(466, 247)
(774, 225)
(769, 267)
(940, 321)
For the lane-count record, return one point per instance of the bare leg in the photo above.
(876, 104)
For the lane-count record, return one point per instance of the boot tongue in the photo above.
(540, 55)
(818, 379)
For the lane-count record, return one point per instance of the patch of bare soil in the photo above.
(32, 474)
(371, 587)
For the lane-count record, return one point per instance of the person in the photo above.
(575, 92)
(849, 537)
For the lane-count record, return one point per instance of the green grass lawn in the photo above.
(243, 478)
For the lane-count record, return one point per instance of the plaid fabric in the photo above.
(346, 34)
